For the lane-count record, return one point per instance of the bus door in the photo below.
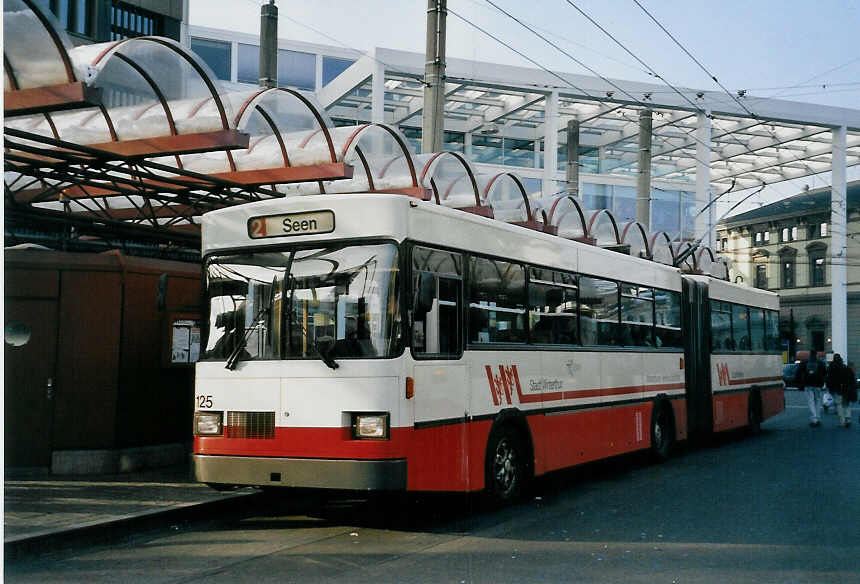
(441, 400)
(696, 321)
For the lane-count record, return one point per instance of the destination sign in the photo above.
(291, 224)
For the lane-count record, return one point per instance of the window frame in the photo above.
(462, 314)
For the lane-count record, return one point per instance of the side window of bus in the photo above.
(552, 307)
(497, 299)
(740, 327)
(437, 291)
(598, 311)
(757, 329)
(771, 342)
(721, 327)
(637, 316)
(667, 310)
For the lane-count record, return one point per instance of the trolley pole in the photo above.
(433, 126)
(268, 45)
(643, 184)
(573, 158)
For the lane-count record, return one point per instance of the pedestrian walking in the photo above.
(811, 377)
(842, 384)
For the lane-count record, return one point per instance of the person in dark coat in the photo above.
(841, 383)
(810, 376)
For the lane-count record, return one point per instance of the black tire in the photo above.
(662, 432)
(506, 468)
(754, 415)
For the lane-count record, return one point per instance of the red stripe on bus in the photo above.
(584, 393)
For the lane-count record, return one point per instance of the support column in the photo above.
(839, 245)
(573, 158)
(433, 126)
(268, 45)
(705, 222)
(643, 182)
(550, 144)
(377, 92)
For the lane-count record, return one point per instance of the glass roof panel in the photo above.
(33, 53)
(602, 227)
(175, 75)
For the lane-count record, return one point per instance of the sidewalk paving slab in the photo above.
(43, 509)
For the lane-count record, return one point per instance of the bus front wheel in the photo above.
(661, 432)
(506, 466)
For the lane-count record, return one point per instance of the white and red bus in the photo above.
(378, 342)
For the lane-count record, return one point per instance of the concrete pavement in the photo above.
(39, 511)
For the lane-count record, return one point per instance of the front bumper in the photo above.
(359, 475)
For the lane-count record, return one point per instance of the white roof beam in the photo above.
(352, 78)
(418, 106)
(509, 107)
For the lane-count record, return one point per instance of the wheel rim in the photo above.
(659, 432)
(505, 467)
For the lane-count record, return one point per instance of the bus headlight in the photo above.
(370, 426)
(208, 423)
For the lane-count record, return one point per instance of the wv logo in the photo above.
(723, 373)
(503, 384)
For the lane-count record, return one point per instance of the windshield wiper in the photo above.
(325, 355)
(233, 359)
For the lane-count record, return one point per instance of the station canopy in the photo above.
(136, 138)
(753, 141)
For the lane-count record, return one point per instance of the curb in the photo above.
(100, 533)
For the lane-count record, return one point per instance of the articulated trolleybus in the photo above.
(378, 342)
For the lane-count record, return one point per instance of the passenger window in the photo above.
(437, 292)
(598, 301)
(721, 327)
(772, 331)
(740, 327)
(757, 329)
(552, 307)
(667, 315)
(637, 316)
(497, 301)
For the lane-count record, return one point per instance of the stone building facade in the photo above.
(785, 247)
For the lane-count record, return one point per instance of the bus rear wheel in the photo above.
(506, 468)
(661, 432)
(754, 415)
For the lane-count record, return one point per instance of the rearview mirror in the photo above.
(425, 293)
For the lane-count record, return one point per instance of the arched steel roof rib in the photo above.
(532, 220)
(410, 186)
(280, 92)
(567, 216)
(37, 64)
(661, 247)
(259, 103)
(598, 222)
(633, 234)
(221, 136)
(427, 179)
(327, 167)
(689, 263)
(374, 171)
(707, 263)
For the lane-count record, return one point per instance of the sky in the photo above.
(800, 50)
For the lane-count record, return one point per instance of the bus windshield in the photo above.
(329, 302)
